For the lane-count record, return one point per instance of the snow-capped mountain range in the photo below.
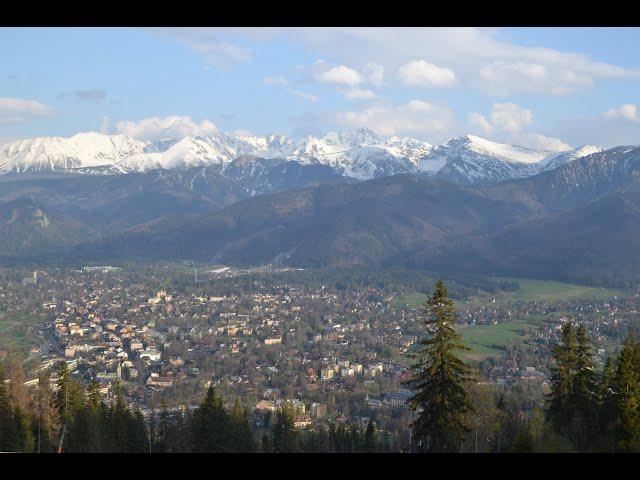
(359, 154)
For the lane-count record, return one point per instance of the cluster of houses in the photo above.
(310, 343)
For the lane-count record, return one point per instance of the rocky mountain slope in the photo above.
(557, 224)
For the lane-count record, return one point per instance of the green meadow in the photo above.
(492, 340)
(17, 330)
(551, 291)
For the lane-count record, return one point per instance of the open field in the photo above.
(16, 330)
(492, 340)
(531, 290)
(410, 300)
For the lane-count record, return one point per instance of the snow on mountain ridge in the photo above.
(563, 158)
(509, 153)
(359, 153)
(88, 149)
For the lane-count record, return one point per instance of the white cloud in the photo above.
(415, 117)
(278, 80)
(419, 106)
(217, 51)
(420, 73)
(506, 78)
(222, 54)
(281, 81)
(155, 128)
(17, 110)
(627, 111)
(241, 132)
(374, 73)
(104, 126)
(341, 75)
(611, 128)
(304, 95)
(479, 57)
(359, 94)
(478, 120)
(539, 142)
(508, 122)
(510, 117)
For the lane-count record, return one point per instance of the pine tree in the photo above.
(118, 423)
(94, 412)
(523, 442)
(210, 425)
(628, 396)
(266, 444)
(5, 416)
(23, 439)
(607, 406)
(242, 436)
(137, 434)
(46, 422)
(584, 392)
(163, 427)
(19, 435)
(15, 431)
(441, 380)
(62, 397)
(284, 434)
(561, 408)
(370, 440)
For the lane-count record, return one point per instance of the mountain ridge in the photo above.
(430, 223)
(360, 154)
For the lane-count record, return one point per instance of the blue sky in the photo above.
(540, 87)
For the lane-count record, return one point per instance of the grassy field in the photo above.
(410, 300)
(530, 290)
(16, 331)
(492, 340)
(549, 290)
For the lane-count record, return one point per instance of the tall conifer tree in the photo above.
(561, 407)
(441, 380)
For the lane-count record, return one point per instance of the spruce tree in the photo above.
(370, 441)
(62, 397)
(561, 407)
(46, 423)
(5, 416)
(584, 392)
(209, 425)
(242, 436)
(441, 380)
(94, 413)
(607, 406)
(628, 396)
(284, 434)
(266, 444)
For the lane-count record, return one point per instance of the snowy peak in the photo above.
(57, 153)
(359, 153)
(562, 158)
(187, 152)
(472, 159)
(353, 138)
(505, 152)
